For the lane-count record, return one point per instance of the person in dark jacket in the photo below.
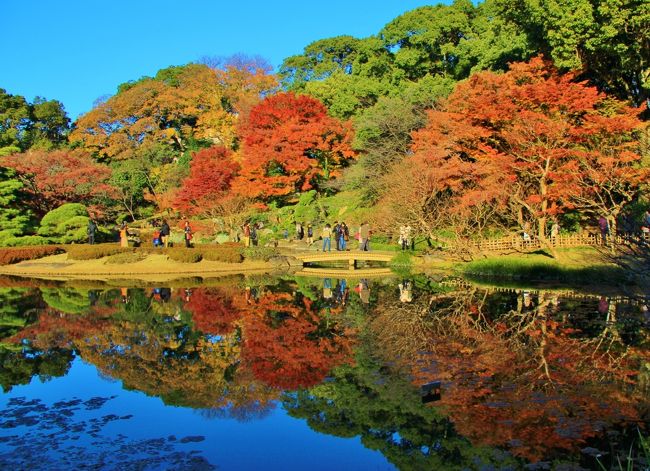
(165, 232)
(92, 228)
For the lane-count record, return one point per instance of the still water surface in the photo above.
(313, 373)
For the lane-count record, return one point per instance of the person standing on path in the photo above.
(344, 235)
(604, 229)
(253, 232)
(124, 235)
(327, 238)
(310, 235)
(165, 231)
(247, 234)
(92, 228)
(187, 230)
(364, 237)
(300, 232)
(335, 234)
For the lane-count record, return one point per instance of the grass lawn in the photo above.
(582, 264)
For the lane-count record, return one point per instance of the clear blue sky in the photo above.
(75, 51)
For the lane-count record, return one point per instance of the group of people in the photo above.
(340, 232)
(162, 233)
(406, 240)
(249, 232)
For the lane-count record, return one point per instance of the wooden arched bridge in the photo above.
(351, 257)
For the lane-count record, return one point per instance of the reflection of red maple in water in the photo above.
(212, 311)
(283, 344)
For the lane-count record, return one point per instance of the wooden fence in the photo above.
(517, 242)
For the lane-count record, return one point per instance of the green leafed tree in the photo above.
(607, 40)
(23, 125)
(15, 217)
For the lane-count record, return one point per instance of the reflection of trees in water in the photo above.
(17, 310)
(209, 348)
(212, 310)
(381, 406)
(537, 373)
(20, 366)
(517, 369)
(288, 344)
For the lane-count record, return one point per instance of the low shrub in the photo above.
(126, 257)
(184, 255)
(20, 254)
(93, 252)
(222, 253)
(260, 253)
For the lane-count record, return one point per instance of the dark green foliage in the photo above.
(15, 217)
(606, 39)
(65, 224)
(23, 125)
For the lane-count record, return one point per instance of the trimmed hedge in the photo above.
(126, 257)
(220, 253)
(184, 255)
(93, 252)
(20, 254)
(260, 253)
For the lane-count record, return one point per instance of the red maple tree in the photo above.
(211, 173)
(290, 144)
(53, 178)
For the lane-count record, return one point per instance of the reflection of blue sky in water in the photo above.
(140, 431)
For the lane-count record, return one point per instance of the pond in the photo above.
(321, 373)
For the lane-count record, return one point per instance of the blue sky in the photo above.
(76, 51)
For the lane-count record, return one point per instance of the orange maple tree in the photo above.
(543, 140)
(180, 103)
(290, 144)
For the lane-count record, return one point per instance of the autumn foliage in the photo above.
(212, 311)
(290, 144)
(532, 143)
(285, 345)
(20, 254)
(53, 178)
(211, 173)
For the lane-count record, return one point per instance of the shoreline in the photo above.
(155, 268)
